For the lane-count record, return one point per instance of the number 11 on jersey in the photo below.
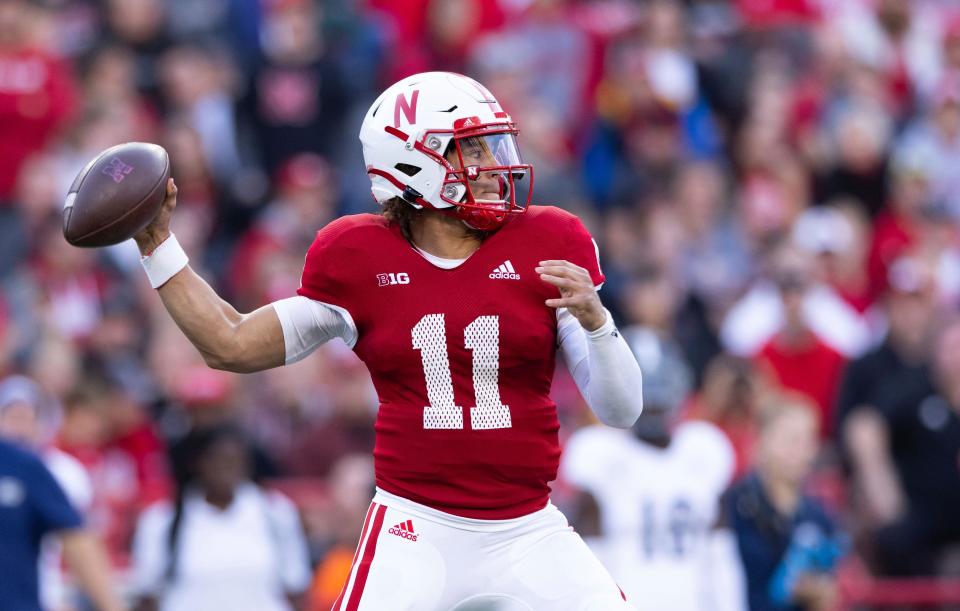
(482, 337)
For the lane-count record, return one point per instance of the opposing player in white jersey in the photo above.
(650, 504)
(458, 298)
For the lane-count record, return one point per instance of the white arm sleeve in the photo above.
(604, 368)
(307, 324)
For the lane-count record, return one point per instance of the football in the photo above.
(116, 195)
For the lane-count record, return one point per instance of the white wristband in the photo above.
(164, 262)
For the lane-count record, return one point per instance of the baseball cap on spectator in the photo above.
(823, 230)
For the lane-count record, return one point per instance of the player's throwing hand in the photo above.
(159, 228)
(577, 292)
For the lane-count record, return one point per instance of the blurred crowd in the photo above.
(771, 184)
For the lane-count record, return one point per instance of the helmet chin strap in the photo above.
(480, 219)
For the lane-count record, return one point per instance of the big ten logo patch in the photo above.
(117, 170)
(390, 279)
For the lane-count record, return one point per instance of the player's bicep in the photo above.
(306, 324)
(258, 341)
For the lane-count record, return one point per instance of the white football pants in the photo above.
(414, 558)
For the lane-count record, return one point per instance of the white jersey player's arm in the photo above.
(307, 324)
(604, 368)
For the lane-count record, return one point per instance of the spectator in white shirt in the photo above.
(224, 543)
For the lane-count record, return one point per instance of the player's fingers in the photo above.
(170, 200)
(563, 283)
(566, 272)
(561, 302)
(563, 263)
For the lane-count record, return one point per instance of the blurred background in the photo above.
(774, 186)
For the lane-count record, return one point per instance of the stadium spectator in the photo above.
(36, 91)
(30, 417)
(835, 236)
(32, 506)
(298, 94)
(905, 450)
(788, 544)
(112, 435)
(797, 356)
(141, 27)
(224, 542)
(910, 307)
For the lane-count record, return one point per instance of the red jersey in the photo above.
(462, 359)
(36, 97)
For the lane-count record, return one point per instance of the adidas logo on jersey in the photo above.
(505, 272)
(404, 530)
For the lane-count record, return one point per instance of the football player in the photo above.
(649, 504)
(457, 298)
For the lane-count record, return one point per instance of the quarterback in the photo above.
(457, 298)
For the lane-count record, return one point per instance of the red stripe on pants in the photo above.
(368, 552)
(363, 533)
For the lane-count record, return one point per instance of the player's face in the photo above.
(476, 153)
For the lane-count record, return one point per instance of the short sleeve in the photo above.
(54, 511)
(320, 280)
(582, 250)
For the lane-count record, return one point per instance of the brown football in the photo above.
(116, 195)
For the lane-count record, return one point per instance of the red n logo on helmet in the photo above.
(409, 108)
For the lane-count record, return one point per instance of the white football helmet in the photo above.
(441, 140)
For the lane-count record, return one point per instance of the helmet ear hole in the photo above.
(406, 168)
(454, 192)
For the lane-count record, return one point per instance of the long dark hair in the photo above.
(185, 456)
(399, 212)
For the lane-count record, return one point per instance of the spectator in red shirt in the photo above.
(795, 357)
(36, 93)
